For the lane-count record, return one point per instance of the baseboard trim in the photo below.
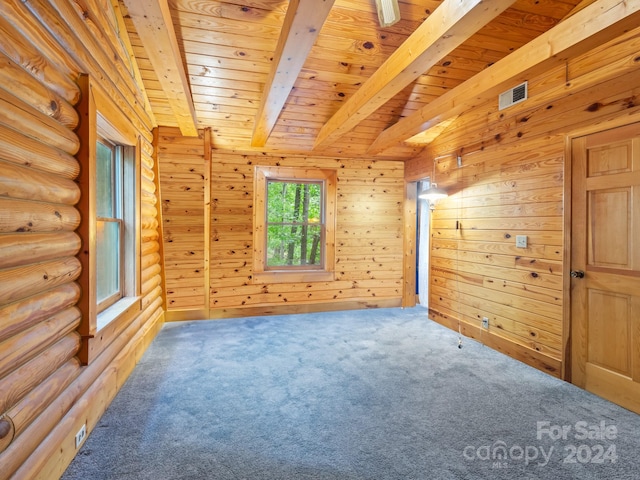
(527, 355)
(187, 314)
(263, 310)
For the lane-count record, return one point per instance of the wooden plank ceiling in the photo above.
(349, 80)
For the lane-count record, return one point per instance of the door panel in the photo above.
(605, 303)
(609, 217)
(608, 347)
(609, 159)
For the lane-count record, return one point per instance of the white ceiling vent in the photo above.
(511, 97)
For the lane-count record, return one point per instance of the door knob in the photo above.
(577, 274)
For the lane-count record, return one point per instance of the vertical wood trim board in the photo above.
(566, 259)
(158, 211)
(410, 232)
(207, 216)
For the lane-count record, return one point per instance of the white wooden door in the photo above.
(605, 302)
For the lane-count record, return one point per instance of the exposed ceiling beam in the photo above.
(453, 22)
(591, 26)
(429, 135)
(580, 6)
(300, 29)
(152, 19)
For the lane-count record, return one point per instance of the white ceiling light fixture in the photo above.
(432, 193)
(388, 12)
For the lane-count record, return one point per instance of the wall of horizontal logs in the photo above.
(512, 182)
(45, 393)
(369, 234)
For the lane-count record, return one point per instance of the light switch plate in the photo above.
(521, 241)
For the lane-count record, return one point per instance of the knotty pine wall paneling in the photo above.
(369, 238)
(181, 164)
(512, 182)
(369, 234)
(45, 393)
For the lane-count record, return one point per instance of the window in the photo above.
(109, 223)
(295, 224)
(116, 207)
(294, 234)
(110, 158)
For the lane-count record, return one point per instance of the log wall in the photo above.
(45, 393)
(369, 234)
(513, 182)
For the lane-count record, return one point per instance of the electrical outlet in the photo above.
(485, 322)
(81, 435)
(521, 241)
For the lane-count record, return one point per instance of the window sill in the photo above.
(288, 276)
(111, 323)
(124, 306)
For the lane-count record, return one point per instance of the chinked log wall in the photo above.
(45, 394)
(512, 183)
(369, 234)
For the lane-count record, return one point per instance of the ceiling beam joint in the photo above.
(450, 25)
(592, 26)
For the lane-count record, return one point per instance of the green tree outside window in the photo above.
(295, 226)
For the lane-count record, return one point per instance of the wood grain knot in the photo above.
(5, 428)
(7, 432)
